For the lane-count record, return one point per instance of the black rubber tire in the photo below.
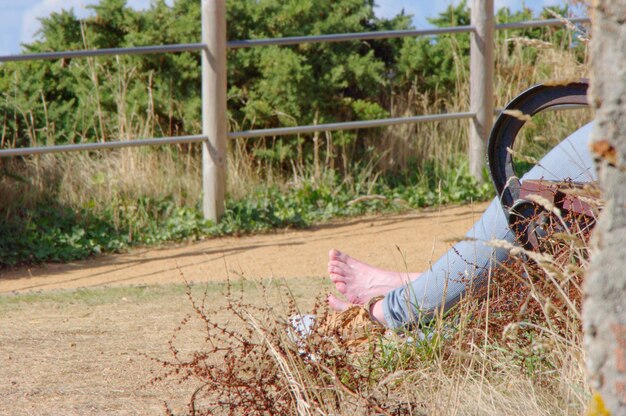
(507, 126)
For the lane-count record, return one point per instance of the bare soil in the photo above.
(68, 350)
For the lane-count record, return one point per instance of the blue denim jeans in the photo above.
(467, 264)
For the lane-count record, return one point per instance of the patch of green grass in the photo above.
(55, 233)
(105, 295)
(96, 296)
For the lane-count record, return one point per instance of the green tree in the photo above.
(271, 86)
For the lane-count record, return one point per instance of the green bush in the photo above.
(50, 232)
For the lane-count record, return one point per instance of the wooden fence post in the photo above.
(481, 83)
(214, 119)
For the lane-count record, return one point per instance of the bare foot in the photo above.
(359, 282)
(376, 310)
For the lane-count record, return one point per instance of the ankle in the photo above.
(375, 310)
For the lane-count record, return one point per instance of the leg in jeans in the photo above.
(468, 262)
(416, 296)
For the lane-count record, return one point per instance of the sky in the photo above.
(19, 19)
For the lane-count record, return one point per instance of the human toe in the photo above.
(337, 263)
(341, 287)
(337, 304)
(336, 277)
(338, 269)
(357, 299)
(337, 255)
(334, 253)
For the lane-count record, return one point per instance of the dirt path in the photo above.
(421, 235)
(86, 352)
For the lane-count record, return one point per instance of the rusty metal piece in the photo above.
(577, 197)
(548, 207)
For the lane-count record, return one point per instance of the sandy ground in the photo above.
(408, 241)
(68, 352)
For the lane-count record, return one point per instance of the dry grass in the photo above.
(514, 72)
(139, 176)
(515, 349)
(80, 180)
(233, 355)
(88, 351)
(518, 351)
(77, 353)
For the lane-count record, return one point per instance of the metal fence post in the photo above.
(214, 121)
(481, 83)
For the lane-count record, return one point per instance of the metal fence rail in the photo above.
(348, 125)
(214, 123)
(294, 40)
(89, 53)
(40, 150)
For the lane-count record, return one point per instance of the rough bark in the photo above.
(604, 310)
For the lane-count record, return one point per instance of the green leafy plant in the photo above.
(55, 233)
(107, 201)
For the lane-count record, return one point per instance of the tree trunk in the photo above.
(604, 310)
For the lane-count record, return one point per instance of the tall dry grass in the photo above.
(514, 349)
(515, 71)
(414, 146)
(101, 178)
